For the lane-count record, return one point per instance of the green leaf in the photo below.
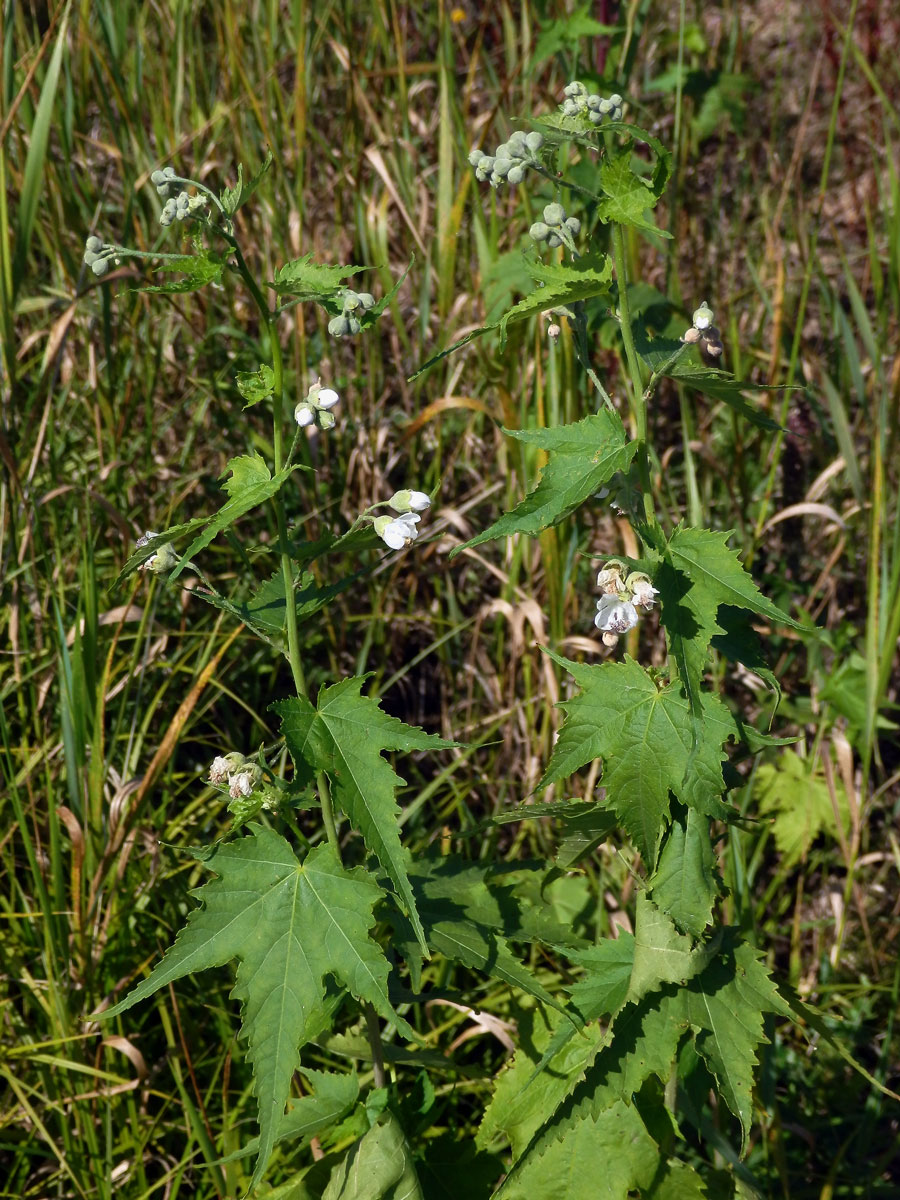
(309, 280)
(344, 735)
(583, 457)
(265, 611)
(249, 485)
(700, 573)
(645, 736)
(378, 1167)
(453, 1168)
(678, 1182)
(612, 1153)
(523, 1099)
(290, 925)
(232, 198)
(562, 284)
(685, 884)
(725, 1004)
(582, 833)
(628, 196)
(333, 1096)
(661, 954)
(199, 270)
(468, 921)
(256, 385)
(801, 802)
(721, 385)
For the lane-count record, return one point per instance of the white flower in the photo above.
(219, 769)
(398, 532)
(240, 785)
(304, 415)
(615, 615)
(642, 592)
(326, 398)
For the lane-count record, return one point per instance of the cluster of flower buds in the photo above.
(179, 204)
(556, 228)
(401, 531)
(623, 595)
(704, 332)
(316, 408)
(239, 774)
(510, 160)
(580, 101)
(165, 558)
(348, 322)
(99, 255)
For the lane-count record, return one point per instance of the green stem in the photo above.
(638, 398)
(287, 570)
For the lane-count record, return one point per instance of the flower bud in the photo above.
(615, 100)
(366, 299)
(516, 175)
(539, 231)
(339, 326)
(304, 415)
(476, 154)
(353, 326)
(703, 316)
(570, 108)
(691, 335)
(554, 214)
(553, 332)
(409, 501)
(534, 141)
(595, 118)
(575, 88)
(162, 561)
(100, 266)
(326, 398)
(93, 244)
(169, 212)
(573, 225)
(606, 107)
(503, 166)
(554, 240)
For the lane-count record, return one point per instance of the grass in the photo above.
(119, 415)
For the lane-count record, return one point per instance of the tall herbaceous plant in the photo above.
(633, 1067)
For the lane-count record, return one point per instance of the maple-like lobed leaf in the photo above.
(583, 457)
(291, 925)
(700, 573)
(645, 736)
(344, 735)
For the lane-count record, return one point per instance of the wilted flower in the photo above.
(610, 578)
(397, 532)
(240, 784)
(218, 769)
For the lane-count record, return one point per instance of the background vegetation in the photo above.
(119, 417)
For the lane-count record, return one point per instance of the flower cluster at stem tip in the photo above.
(402, 530)
(579, 101)
(352, 303)
(99, 255)
(510, 160)
(241, 776)
(623, 596)
(704, 332)
(556, 228)
(316, 408)
(179, 203)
